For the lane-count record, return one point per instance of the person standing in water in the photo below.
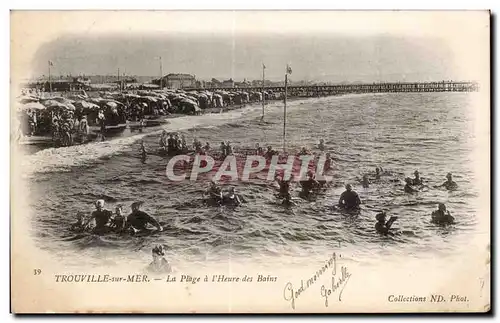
(382, 226)
(287, 201)
(223, 148)
(303, 151)
(79, 225)
(308, 185)
(100, 216)
(258, 150)
(214, 192)
(441, 216)
(144, 153)
(269, 153)
(229, 149)
(159, 265)
(284, 186)
(231, 198)
(178, 142)
(172, 144)
(450, 185)
(138, 220)
(321, 145)
(328, 163)
(417, 180)
(118, 221)
(408, 188)
(206, 147)
(349, 199)
(163, 141)
(184, 142)
(197, 146)
(365, 181)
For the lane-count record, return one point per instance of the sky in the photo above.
(311, 57)
(319, 46)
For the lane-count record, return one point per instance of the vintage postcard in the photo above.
(250, 161)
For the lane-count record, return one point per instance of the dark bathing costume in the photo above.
(231, 200)
(139, 219)
(308, 185)
(101, 218)
(351, 200)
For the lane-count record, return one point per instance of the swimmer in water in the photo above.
(328, 163)
(231, 199)
(284, 186)
(214, 192)
(321, 145)
(195, 143)
(171, 143)
(163, 141)
(287, 201)
(366, 181)
(377, 173)
(79, 225)
(349, 199)
(308, 185)
(159, 265)
(441, 216)
(229, 149)
(144, 154)
(417, 180)
(118, 221)
(137, 220)
(100, 216)
(258, 149)
(223, 148)
(408, 188)
(178, 142)
(207, 146)
(382, 226)
(270, 152)
(184, 142)
(303, 151)
(450, 185)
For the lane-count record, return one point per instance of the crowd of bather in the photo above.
(349, 201)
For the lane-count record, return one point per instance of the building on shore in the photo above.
(176, 81)
(243, 84)
(60, 84)
(228, 83)
(213, 84)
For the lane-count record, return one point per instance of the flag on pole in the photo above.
(50, 63)
(288, 69)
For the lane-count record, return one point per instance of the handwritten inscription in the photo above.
(337, 284)
(291, 294)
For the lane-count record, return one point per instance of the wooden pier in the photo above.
(338, 89)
